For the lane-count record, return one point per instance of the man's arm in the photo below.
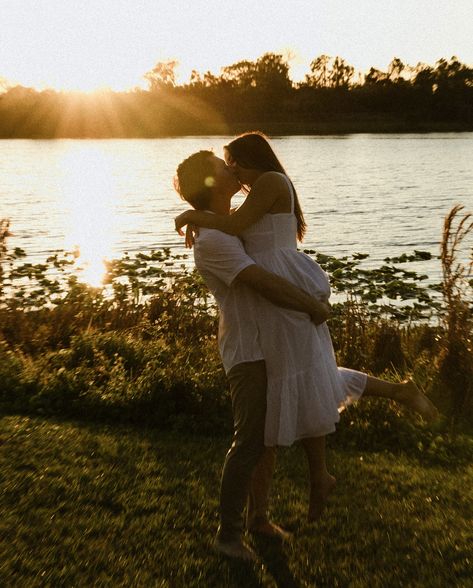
(283, 293)
(224, 256)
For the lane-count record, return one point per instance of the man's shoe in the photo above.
(235, 549)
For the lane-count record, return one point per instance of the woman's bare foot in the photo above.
(319, 494)
(416, 401)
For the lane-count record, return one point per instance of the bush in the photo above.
(13, 387)
(143, 347)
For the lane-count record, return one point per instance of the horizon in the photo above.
(59, 45)
(358, 76)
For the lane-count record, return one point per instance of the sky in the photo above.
(93, 44)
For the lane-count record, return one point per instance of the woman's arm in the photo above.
(266, 191)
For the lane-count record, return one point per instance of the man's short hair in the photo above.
(194, 179)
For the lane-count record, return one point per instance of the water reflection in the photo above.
(90, 196)
(382, 195)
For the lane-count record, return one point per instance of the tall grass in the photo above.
(4, 233)
(455, 361)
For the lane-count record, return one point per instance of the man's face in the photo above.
(239, 172)
(225, 180)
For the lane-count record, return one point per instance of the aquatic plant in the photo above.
(143, 346)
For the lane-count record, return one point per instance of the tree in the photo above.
(341, 73)
(328, 72)
(319, 76)
(195, 78)
(424, 76)
(452, 74)
(269, 72)
(272, 72)
(395, 69)
(162, 75)
(242, 73)
(375, 76)
(210, 80)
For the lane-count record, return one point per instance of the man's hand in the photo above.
(321, 313)
(192, 231)
(283, 293)
(181, 221)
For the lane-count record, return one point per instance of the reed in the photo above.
(4, 233)
(455, 361)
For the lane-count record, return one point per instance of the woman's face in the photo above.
(225, 179)
(242, 174)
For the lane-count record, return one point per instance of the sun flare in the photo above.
(89, 197)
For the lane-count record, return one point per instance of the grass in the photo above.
(87, 504)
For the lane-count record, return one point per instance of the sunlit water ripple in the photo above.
(379, 194)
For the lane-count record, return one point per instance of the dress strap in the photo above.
(291, 190)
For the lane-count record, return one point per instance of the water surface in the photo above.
(379, 194)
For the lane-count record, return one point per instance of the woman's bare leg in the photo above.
(321, 482)
(406, 393)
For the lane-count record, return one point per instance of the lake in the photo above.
(378, 194)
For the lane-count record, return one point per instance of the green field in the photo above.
(86, 504)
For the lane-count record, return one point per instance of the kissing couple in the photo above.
(273, 336)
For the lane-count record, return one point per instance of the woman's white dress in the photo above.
(306, 389)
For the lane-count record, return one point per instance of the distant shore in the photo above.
(316, 128)
(332, 100)
(359, 126)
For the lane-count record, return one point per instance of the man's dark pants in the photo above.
(248, 392)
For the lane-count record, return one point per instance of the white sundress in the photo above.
(306, 390)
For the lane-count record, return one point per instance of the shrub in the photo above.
(143, 347)
(12, 384)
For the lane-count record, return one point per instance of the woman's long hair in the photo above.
(253, 151)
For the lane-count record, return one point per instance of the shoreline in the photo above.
(321, 128)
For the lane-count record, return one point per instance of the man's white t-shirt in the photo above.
(220, 258)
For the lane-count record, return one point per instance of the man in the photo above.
(232, 276)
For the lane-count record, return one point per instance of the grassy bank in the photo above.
(121, 489)
(91, 505)
(143, 348)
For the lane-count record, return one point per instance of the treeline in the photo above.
(254, 94)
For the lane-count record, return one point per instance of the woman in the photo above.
(306, 390)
